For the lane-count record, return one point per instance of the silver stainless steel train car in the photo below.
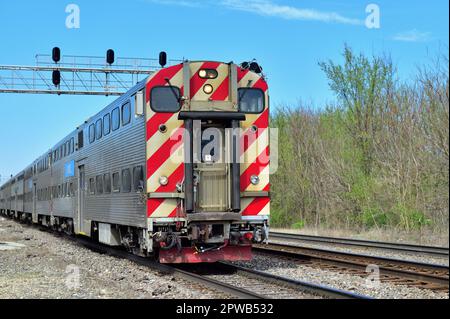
(178, 167)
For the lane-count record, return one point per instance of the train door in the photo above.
(81, 200)
(211, 171)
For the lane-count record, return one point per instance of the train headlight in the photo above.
(254, 180)
(163, 180)
(202, 74)
(208, 89)
(208, 74)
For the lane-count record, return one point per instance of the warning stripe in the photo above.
(255, 168)
(257, 206)
(163, 154)
(197, 82)
(155, 121)
(159, 207)
(222, 92)
(158, 79)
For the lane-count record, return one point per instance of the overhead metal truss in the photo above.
(80, 75)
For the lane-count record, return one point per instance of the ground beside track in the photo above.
(47, 267)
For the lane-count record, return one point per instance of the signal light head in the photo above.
(110, 56)
(56, 54)
(56, 78)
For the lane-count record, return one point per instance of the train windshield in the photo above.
(251, 100)
(165, 99)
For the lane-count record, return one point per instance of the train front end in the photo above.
(207, 161)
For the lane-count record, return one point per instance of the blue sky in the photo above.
(287, 37)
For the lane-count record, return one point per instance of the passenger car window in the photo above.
(116, 182)
(165, 99)
(115, 116)
(99, 184)
(71, 190)
(251, 100)
(98, 129)
(91, 133)
(126, 113)
(72, 145)
(138, 178)
(92, 186)
(126, 180)
(106, 124)
(80, 140)
(107, 183)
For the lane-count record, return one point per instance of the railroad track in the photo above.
(227, 278)
(231, 280)
(267, 285)
(410, 273)
(410, 248)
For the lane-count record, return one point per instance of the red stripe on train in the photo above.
(256, 206)
(197, 82)
(221, 93)
(175, 178)
(255, 168)
(155, 121)
(159, 78)
(153, 204)
(248, 137)
(164, 152)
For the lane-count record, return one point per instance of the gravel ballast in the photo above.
(42, 265)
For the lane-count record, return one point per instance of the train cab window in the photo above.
(59, 191)
(107, 183)
(106, 124)
(98, 129)
(165, 99)
(63, 150)
(67, 148)
(126, 114)
(115, 119)
(91, 133)
(99, 184)
(251, 100)
(126, 180)
(116, 182)
(92, 186)
(138, 178)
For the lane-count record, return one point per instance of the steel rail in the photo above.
(308, 287)
(444, 251)
(163, 268)
(431, 276)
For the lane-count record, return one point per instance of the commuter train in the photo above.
(176, 168)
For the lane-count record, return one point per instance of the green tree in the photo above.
(361, 84)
